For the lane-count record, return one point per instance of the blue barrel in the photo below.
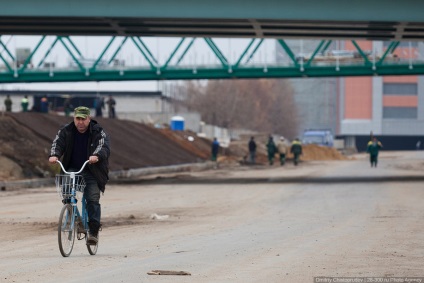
(177, 123)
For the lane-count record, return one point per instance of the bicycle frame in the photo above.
(69, 224)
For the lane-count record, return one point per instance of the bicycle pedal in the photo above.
(80, 228)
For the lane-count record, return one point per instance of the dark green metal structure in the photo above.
(102, 69)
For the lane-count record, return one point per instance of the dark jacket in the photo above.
(271, 147)
(98, 145)
(374, 147)
(215, 147)
(252, 145)
(296, 148)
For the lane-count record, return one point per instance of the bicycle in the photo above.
(70, 187)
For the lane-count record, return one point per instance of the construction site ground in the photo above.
(26, 138)
(333, 218)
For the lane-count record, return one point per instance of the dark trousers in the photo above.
(296, 158)
(112, 112)
(373, 160)
(92, 197)
(214, 156)
(252, 156)
(271, 158)
(282, 158)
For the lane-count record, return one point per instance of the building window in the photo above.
(400, 113)
(400, 89)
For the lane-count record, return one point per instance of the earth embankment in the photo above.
(25, 141)
(26, 138)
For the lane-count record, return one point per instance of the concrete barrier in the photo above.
(141, 172)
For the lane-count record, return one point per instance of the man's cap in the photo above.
(282, 138)
(82, 112)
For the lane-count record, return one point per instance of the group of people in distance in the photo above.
(99, 105)
(282, 148)
(8, 103)
(43, 107)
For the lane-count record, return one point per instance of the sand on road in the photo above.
(266, 230)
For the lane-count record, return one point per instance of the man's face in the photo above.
(82, 124)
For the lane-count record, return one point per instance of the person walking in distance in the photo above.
(373, 148)
(111, 103)
(8, 103)
(296, 149)
(84, 139)
(215, 148)
(252, 150)
(67, 106)
(24, 104)
(282, 150)
(271, 150)
(44, 105)
(99, 105)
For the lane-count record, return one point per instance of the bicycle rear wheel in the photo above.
(92, 249)
(66, 231)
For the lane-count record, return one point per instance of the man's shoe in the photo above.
(92, 239)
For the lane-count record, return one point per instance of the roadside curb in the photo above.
(141, 172)
(114, 176)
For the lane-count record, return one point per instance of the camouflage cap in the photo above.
(82, 112)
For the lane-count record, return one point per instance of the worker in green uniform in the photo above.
(271, 150)
(24, 104)
(8, 103)
(296, 149)
(373, 148)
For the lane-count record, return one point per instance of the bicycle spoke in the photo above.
(66, 230)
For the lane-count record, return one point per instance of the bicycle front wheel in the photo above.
(66, 230)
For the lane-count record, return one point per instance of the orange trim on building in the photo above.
(400, 101)
(365, 45)
(400, 79)
(358, 98)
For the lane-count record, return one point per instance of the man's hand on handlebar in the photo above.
(93, 159)
(53, 159)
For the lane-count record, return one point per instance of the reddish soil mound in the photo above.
(23, 147)
(199, 146)
(316, 152)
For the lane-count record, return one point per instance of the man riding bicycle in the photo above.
(82, 140)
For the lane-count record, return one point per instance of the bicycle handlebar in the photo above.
(82, 168)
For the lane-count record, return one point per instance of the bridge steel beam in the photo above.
(324, 19)
(332, 10)
(210, 73)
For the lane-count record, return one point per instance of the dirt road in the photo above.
(267, 230)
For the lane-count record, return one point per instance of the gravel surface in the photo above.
(262, 231)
